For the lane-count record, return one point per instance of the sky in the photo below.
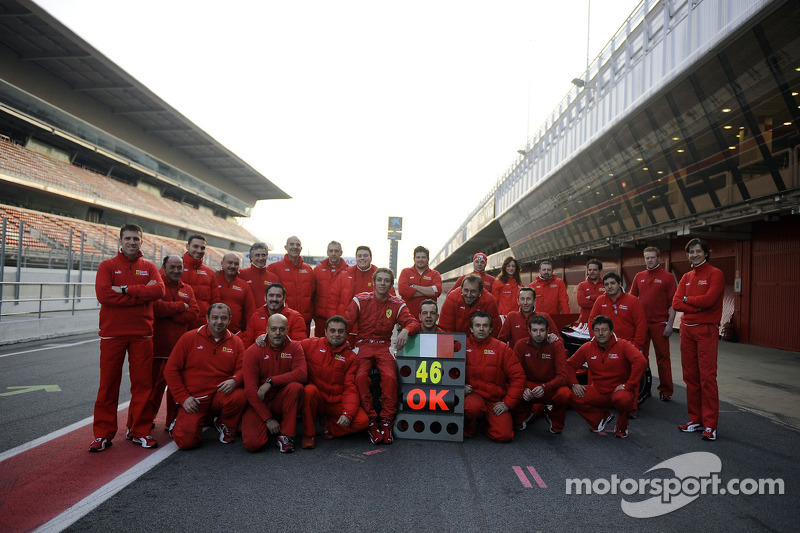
(359, 110)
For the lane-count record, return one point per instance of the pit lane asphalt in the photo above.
(412, 485)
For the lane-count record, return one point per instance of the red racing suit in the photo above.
(204, 284)
(412, 276)
(626, 314)
(515, 327)
(237, 296)
(455, 313)
(299, 282)
(505, 294)
(586, 294)
(325, 299)
(259, 280)
(551, 295)
(257, 325)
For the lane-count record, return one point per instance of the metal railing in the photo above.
(38, 297)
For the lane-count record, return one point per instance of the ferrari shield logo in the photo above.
(388, 313)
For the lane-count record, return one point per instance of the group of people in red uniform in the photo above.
(232, 347)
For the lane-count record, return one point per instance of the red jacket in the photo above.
(128, 314)
(198, 364)
(351, 282)
(411, 276)
(494, 372)
(238, 297)
(202, 281)
(655, 289)
(257, 324)
(488, 280)
(172, 316)
(551, 296)
(586, 295)
(376, 318)
(619, 362)
(703, 287)
(259, 280)
(325, 299)
(544, 365)
(455, 314)
(505, 294)
(299, 284)
(285, 364)
(333, 372)
(515, 327)
(626, 314)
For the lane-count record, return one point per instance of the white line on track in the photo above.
(49, 347)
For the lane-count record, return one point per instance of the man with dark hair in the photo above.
(376, 314)
(276, 304)
(199, 277)
(257, 276)
(331, 393)
(655, 288)
(615, 370)
(419, 282)
(204, 373)
(551, 293)
(478, 269)
(298, 279)
(699, 298)
(274, 375)
(325, 275)
(126, 287)
(623, 309)
(428, 316)
(355, 280)
(494, 381)
(462, 302)
(234, 293)
(515, 327)
(590, 289)
(545, 366)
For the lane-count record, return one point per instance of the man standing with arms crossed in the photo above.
(699, 298)
(419, 282)
(655, 288)
(126, 286)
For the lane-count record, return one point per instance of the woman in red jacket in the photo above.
(507, 286)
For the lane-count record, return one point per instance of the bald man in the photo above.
(235, 293)
(298, 279)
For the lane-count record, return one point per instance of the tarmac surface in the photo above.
(477, 485)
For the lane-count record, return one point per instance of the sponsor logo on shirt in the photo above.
(613, 356)
(553, 285)
(183, 294)
(426, 277)
(236, 288)
(285, 355)
(340, 358)
(226, 349)
(142, 273)
(593, 357)
(200, 347)
(388, 313)
(546, 356)
(487, 351)
(303, 271)
(527, 354)
(266, 356)
(118, 272)
(201, 272)
(625, 307)
(656, 281)
(702, 282)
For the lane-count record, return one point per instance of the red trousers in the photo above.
(140, 367)
(377, 354)
(498, 428)
(188, 430)
(315, 406)
(159, 385)
(699, 360)
(655, 333)
(594, 405)
(285, 405)
(558, 398)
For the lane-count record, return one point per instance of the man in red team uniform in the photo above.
(375, 314)
(589, 290)
(174, 312)
(515, 326)
(699, 298)
(615, 370)
(204, 373)
(273, 382)
(355, 280)
(479, 269)
(428, 316)
(276, 303)
(126, 286)
(551, 293)
(462, 302)
(257, 276)
(419, 282)
(325, 275)
(298, 279)
(199, 277)
(331, 393)
(623, 309)
(655, 288)
(234, 293)
(494, 381)
(545, 366)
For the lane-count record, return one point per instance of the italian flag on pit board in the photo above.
(436, 345)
